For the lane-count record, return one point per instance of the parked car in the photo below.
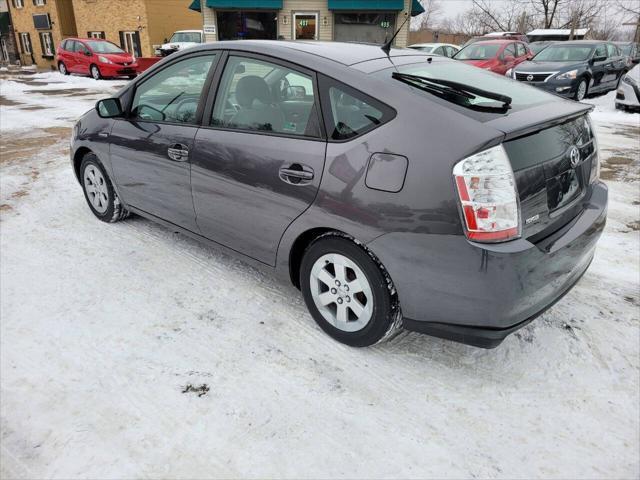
(316, 162)
(94, 57)
(628, 94)
(632, 51)
(498, 56)
(537, 47)
(574, 69)
(444, 49)
(521, 37)
(179, 41)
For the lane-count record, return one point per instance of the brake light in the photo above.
(488, 197)
(595, 159)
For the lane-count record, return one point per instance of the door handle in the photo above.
(296, 174)
(178, 152)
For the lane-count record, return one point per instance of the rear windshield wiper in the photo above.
(447, 88)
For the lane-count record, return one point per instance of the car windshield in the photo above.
(104, 47)
(179, 37)
(564, 53)
(477, 52)
(521, 95)
(537, 47)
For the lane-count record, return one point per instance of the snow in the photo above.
(103, 326)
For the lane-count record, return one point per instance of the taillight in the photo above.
(488, 197)
(595, 158)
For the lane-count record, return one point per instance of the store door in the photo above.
(367, 27)
(305, 26)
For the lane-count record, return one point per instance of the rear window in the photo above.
(478, 52)
(522, 95)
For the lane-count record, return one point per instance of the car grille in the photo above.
(532, 77)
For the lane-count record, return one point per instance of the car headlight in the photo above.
(509, 72)
(631, 81)
(104, 59)
(571, 75)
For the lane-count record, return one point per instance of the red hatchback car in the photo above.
(95, 57)
(499, 56)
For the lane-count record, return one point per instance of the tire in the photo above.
(581, 90)
(375, 299)
(94, 71)
(102, 198)
(62, 68)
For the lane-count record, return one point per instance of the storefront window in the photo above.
(242, 25)
(367, 27)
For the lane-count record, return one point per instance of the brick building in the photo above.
(8, 49)
(369, 21)
(134, 25)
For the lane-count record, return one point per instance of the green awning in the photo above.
(416, 8)
(195, 5)
(246, 4)
(360, 5)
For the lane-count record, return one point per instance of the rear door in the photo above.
(84, 58)
(152, 149)
(617, 64)
(66, 54)
(259, 155)
(508, 59)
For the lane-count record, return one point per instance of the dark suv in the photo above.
(394, 189)
(574, 69)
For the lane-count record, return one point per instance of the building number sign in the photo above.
(385, 24)
(303, 22)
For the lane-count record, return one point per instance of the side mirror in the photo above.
(530, 56)
(166, 40)
(109, 108)
(88, 53)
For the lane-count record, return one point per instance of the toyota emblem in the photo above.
(529, 78)
(574, 156)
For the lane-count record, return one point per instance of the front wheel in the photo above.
(95, 72)
(348, 292)
(581, 91)
(99, 192)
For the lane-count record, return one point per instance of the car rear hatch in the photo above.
(552, 155)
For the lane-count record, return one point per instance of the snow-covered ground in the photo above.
(103, 327)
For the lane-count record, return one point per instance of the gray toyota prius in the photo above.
(393, 188)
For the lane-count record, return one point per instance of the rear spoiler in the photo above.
(532, 120)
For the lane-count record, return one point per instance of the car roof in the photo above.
(434, 44)
(341, 52)
(582, 42)
(188, 31)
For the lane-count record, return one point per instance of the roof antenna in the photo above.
(386, 48)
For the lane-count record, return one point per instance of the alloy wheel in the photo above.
(96, 187)
(582, 90)
(341, 292)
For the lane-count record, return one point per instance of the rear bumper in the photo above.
(627, 95)
(480, 293)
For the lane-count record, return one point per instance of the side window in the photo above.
(81, 48)
(173, 94)
(451, 51)
(439, 51)
(263, 96)
(612, 51)
(520, 50)
(352, 113)
(601, 50)
(509, 51)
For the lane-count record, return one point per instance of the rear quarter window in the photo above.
(350, 113)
